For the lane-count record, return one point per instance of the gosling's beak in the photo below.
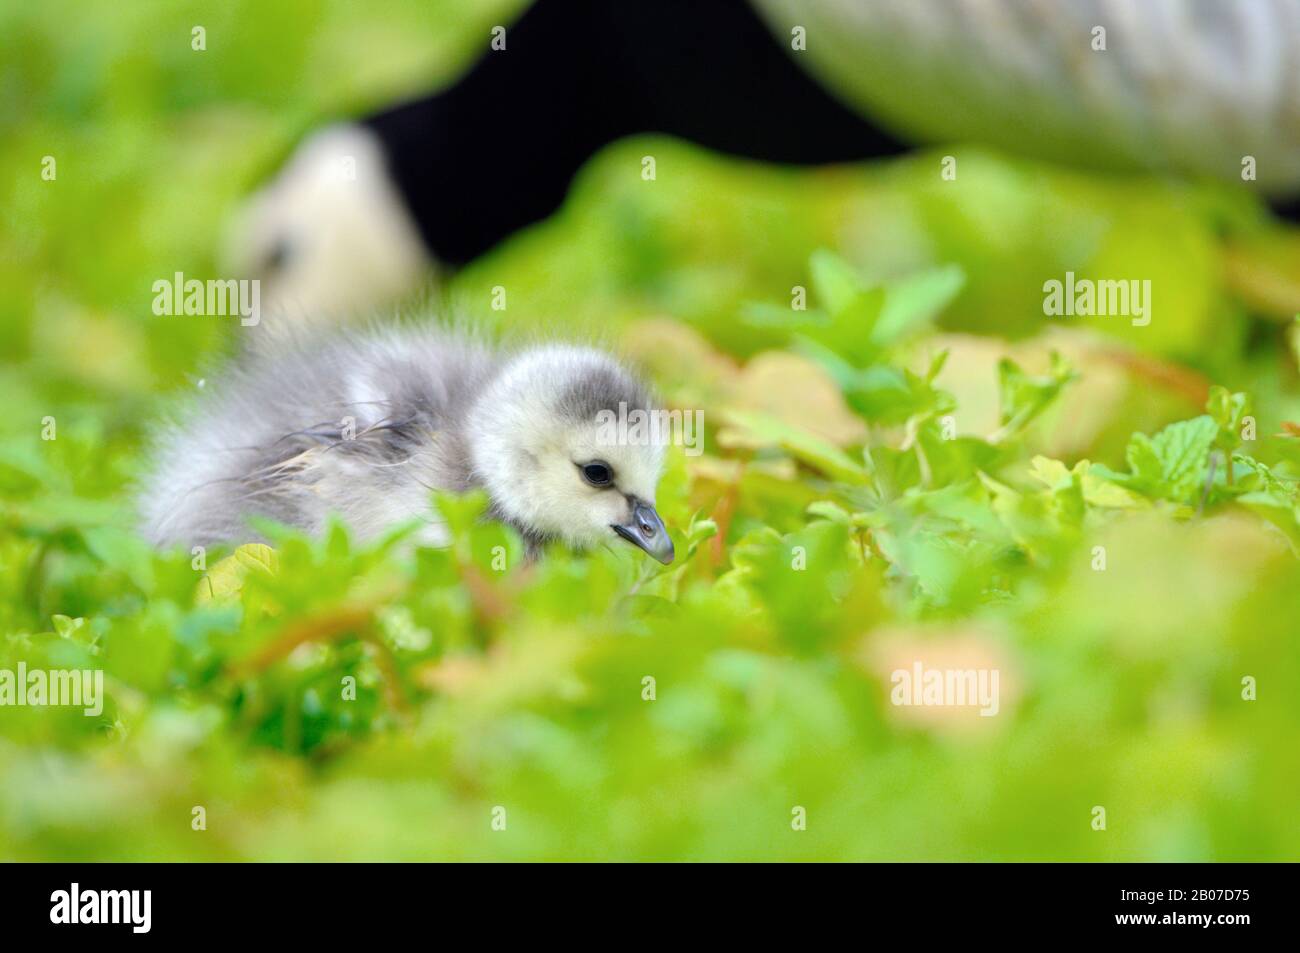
(646, 530)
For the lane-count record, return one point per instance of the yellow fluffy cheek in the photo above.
(608, 507)
(568, 508)
(589, 523)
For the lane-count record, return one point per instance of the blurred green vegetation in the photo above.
(828, 445)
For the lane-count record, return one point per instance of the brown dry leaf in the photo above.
(797, 392)
(1114, 382)
(785, 387)
(511, 674)
(963, 670)
(711, 469)
(453, 674)
(971, 375)
(678, 356)
(725, 470)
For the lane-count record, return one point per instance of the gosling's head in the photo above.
(546, 443)
(330, 236)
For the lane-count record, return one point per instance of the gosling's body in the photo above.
(365, 424)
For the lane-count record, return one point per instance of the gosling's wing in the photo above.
(359, 424)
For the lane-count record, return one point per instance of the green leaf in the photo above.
(1277, 511)
(225, 581)
(913, 302)
(1227, 408)
(1024, 396)
(1173, 462)
(828, 510)
(800, 444)
(1098, 489)
(834, 281)
(700, 530)
(65, 627)
(762, 314)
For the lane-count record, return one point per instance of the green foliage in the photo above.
(1024, 397)
(322, 699)
(329, 700)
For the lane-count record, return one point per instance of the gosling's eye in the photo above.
(596, 473)
(277, 256)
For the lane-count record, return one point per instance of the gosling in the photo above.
(363, 425)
